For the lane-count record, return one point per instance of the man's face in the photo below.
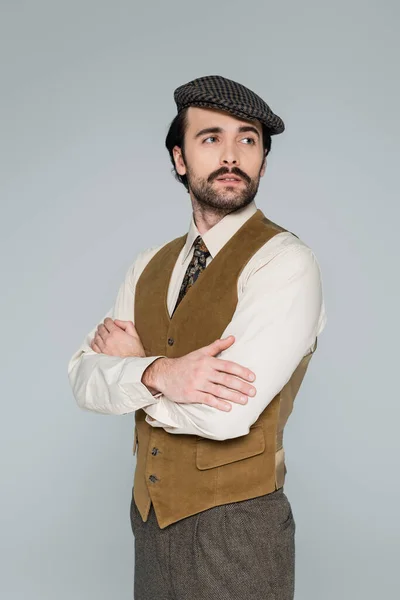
(219, 145)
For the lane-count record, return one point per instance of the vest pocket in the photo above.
(215, 453)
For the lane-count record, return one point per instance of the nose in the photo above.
(229, 155)
(227, 161)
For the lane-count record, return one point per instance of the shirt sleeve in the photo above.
(112, 384)
(279, 314)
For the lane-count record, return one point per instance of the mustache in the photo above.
(224, 171)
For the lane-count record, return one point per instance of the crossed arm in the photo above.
(278, 316)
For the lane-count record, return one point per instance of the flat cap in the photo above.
(215, 91)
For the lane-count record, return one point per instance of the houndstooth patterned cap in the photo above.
(215, 91)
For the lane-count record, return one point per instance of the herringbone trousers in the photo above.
(238, 551)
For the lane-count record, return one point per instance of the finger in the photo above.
(219, 345)
(228, 366)
(103, 332)
(126, 325)
(215, 402)
(231, 381)
(109, 324)
(220, 391)
(96, 348)
(99, 342)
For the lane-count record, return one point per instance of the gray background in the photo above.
(86, 99)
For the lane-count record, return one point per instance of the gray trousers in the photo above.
(238, 551)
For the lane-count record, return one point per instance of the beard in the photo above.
(228, 198)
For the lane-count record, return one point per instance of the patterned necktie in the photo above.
(195, 267)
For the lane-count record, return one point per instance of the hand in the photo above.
(117, 338)
(200, 377)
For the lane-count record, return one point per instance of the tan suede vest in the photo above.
(185, 474)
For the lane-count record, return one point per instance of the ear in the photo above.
(178, 159)
(264, 166)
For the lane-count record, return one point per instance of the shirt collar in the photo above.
(216, 237)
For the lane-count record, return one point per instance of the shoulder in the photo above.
(284, 247)
(288, 267)
(284, 256)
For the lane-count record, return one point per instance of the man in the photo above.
(207, 343)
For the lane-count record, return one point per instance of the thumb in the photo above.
(127, 326)
(219, 345)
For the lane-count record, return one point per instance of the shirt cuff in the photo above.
(131, 381)
(159, 415)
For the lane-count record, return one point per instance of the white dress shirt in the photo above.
(279, 314)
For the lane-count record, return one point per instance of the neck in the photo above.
(205, 217)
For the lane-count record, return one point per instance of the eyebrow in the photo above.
(242, 129)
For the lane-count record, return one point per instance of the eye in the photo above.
(211, 137)
(252, 140)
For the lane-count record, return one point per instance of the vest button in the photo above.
(170, 341)
(153, 478)
(154, 451)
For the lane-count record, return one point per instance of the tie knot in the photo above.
(200, 247)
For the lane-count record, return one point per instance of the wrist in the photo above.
(152, 375)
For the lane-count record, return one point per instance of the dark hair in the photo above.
(176, 135)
